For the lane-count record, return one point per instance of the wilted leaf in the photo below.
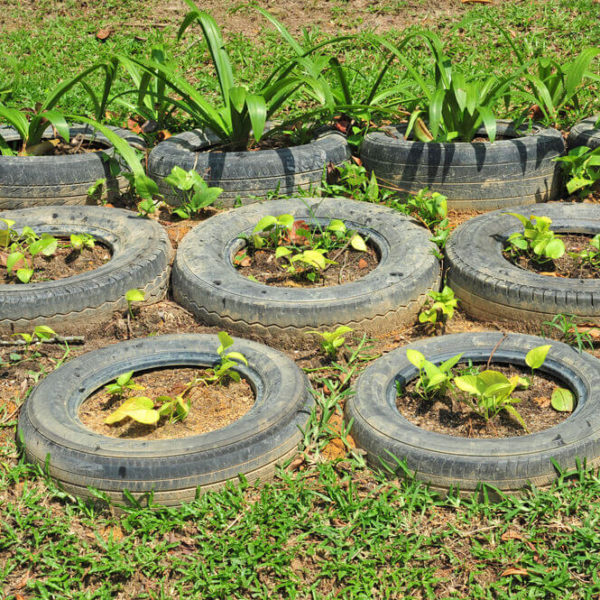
(514, 571)
(103, 33)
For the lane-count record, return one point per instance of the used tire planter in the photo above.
(491, 288)
(473, 175)
(27, 181)
(205, 281)
(447, 461)
(585, 133)
(246, 174)
(172, 469)
(141, 255)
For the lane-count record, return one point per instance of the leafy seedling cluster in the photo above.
(537, 241)
(197, 195)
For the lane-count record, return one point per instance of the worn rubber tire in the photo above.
(205, 281)
(473, 176)
(491, 288)
(247, 175)
(173, 469)
(141, 255)
(27, 181)
(447, 461)
(584, 134)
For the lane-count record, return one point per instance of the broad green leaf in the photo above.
(12, 259)
(138, 408)
(536, 356)
(358, 243)
(135, 295)
(24, 275)
(237, 356)
(336, 225)
(313, 258)
(436, 380)
(44, 332)
(257, 111)
(555, 248)
(524, 220)
(468, 384)
(285, 220)
(415, 357)
(265, 223)
(448, 364)
(490, 377)
(226, 341)
(282, 251)
(562, 400)
(124, 378)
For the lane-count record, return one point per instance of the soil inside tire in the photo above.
(265, 268)
(65, 262)
(59, 147)
(212, 406)
(566, 266)
(455, 417)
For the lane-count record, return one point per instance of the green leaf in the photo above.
(265, 223)
(468, 384)
(562, 400)
(124, 378)
(555, 248)
(24, 275)
(257, 111)
(286, 221)
(415, 357)
(237, 356)
(138, 408)
(12, 259)
(336, 225)
(226, 341)
(135, 295)
(448, 364)
(282, 251)
(535, 357)
(358, 243)
(43, 332)
(513, 413)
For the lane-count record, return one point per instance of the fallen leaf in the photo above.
(542, 401)
(115, 531)
(102, 34)
(362, 264)
(514, 571)
(357, 161)
(511, 535)
(296, 463)
(163, 134)
(550, 274)
(476, 1)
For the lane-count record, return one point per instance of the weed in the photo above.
(566, 325)
(537, 241)
(197, 194)
(440, 308)
(331, 341)
(582, 167)
(133, 295)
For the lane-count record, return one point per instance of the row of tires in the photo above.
(175, 470)
(205, 281)
(516, 170)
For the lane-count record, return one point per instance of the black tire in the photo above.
(141, 255)
(491, 288)
(27, 181)
(473, 176)
(247, 175)
(585, 133)
(447, 461)
(206, 282)
(173, 469)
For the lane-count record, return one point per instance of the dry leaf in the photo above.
(116, 532)
(542, 401)
(102, 34)
(133, 125)
(514, 571)
(476, 1)
(511, 535)
(362, 264)
(163, 134)
(296, 463)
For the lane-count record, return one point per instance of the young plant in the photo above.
(122, 384)
(537, 241)
(133, 295)
(197, 195)
(434, 380)
(353, 181)
(331, 341)
(590, 255)
(570, 334)
(276, 229)
(440, 307)
(582, 168)
(314, 260)
(225, 369)
(79, 241)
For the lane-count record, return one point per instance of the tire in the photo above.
(584, 134)
(27, 181)
(140, 259)
(491, 288)
(473, 176)
(173, 469)
(447, 461)
(247, 175)
(206, 283)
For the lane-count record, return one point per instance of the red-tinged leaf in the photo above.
(133, 125)
(514, 571)
(163, 134)
(3, 257)
(362, 264)
(103, 33)
(292, 235)
(357, 161)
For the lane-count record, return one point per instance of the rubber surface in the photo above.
(584, 134)
(491, 288)
(474, 176)
(447, 461)
(27, 181)
(246, 174)
(140, 259)
(206, 283)
(173, 468)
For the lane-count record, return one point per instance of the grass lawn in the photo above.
(327, 526)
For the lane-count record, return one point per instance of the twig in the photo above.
(333, 258)
(12, 414)
(59, 339)
(504, 336)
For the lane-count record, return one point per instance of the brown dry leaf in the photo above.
(133, 125)
(514, 571)
(3, 257)
(292, 235)
(164, 134)
(116, 532)
(19, 597)
(362, 264)
(476, 1)
(511, 535)
(357, 161)
(542, 401)
(103, 33)
(593, 332)
(550, 274)
(296, 463)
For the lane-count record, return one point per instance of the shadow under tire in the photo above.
(141, 254)
(28, 181)
(490, 287)
(205, 281)
(446, 461)
(171, 469)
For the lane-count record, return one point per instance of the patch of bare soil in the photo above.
(566, 266)
(65, 262)
(212, 405)
(451, 415)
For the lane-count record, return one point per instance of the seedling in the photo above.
(229, 360)
(589, 255)
(353, 181)
(123, 383)
(314, 259)
(442, 307)
(582, 166)
(82, 240)
(433, 380)
(537, 241)
(197, 195)
(275, 227)
(570, 333)
(146, 207)
(331, 341)
(133, 295)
